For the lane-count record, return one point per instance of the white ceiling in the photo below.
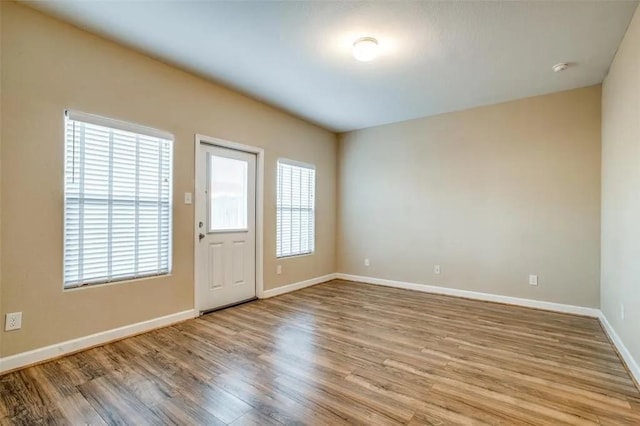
(436, 56)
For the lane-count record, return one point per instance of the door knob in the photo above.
(200, 237)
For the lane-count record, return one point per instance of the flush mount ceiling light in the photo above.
(365, 49)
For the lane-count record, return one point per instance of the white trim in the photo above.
(99, 120)
(296, 163)
(199, 138)
(631, 363)
(39, 355)
(529, 303)
(35, 356)
(296, 286)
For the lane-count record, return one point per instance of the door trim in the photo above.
(259, 152)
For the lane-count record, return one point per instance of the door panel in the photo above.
(239, 255)
(226, 205)
(216, 257)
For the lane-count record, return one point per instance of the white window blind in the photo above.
(118, 205)
(295, 209)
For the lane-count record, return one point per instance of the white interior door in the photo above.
(226, 219)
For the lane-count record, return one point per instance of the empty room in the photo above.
(320, 212)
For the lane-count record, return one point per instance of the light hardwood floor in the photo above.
(340, 353)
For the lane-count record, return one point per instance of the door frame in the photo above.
(259, 234)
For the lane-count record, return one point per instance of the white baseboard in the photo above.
(529, 303)
(36, 356)
(632, 365)
(296, 286)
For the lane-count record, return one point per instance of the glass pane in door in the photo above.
(227, 193)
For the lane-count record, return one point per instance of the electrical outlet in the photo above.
(279, 269)
(436, 269)
(533, 280)
(13, 321)
(622, 311)
(366, 262)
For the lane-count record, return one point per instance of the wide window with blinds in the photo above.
(295, 227)
(117, 200)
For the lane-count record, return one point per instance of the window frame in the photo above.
(141, 130)
(300, 164)
(209, 192)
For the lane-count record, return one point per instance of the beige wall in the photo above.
(620, 281)
(491, 194)
(0, 169)
(48, 66)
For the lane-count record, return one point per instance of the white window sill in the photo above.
(293, 256)
(112, 283)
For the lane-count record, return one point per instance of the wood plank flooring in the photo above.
(340, 353)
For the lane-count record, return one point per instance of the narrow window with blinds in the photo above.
(117, 201)
(295, 209)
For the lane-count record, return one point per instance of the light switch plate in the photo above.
(187, 198)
